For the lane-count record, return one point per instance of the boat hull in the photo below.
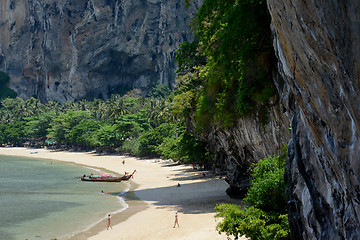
(107, 179)
(102, 180)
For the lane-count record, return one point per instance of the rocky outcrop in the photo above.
(74, 49)
(317, 44)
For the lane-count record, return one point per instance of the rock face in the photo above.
(236, 148)
(246, 143)
(74, 49)
(318, 46)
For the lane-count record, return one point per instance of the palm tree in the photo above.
(98, 110)
(118, 108)
(53, 105)
(31, 106)
(153, 111)
(15, 107)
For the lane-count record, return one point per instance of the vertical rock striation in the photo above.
(318, 47)
(73, 49)
(239, 146)
(244, 144)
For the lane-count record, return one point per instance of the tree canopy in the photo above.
(132, 124)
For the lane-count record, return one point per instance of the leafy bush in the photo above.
(168, 149)
(107, 135)
(267, 185)
(38, 126)
(12, 133)
(131, 146)
(149, 141)
(5, 92)
(84, 133)
(266, 218)
(192, 150)
(132, 125)
(252, 222)
(63, 128)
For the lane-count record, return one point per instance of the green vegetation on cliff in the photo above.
(223, 75)
(265, 216)
(5, 91)
(226, 72)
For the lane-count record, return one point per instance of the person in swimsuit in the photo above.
(109, 223)
(176, 220)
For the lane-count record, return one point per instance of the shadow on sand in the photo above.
(199, 196)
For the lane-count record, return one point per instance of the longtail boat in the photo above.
(107, 177)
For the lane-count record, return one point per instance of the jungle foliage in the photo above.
(223, 74)
(132, 124)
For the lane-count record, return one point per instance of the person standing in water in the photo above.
(109, 222)
(176, 220)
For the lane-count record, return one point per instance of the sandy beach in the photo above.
(154, 197)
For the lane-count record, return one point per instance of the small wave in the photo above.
(126, 190)
(123, 204)
(91, 168)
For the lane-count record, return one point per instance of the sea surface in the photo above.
(44, 199)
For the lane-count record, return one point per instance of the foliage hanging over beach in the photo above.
(265, 216)
(226, 70)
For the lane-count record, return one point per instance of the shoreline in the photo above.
(153, 197)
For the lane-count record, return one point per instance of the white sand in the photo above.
(156, 184)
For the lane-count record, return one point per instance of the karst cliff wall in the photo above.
(318, 48)
(74, 49)
(317, 44)
(246, 142)
(237, 147)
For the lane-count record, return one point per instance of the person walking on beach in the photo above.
(176, 220)
(109, 222)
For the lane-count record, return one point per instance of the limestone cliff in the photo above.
(318, 48)
(247, 141)
(73, 49)
(237, 148)
(317, 44)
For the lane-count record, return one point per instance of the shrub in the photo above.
(266, 217)
(131, 146)
(267, 185)
(149, 141)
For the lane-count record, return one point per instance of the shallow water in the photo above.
(43, 199)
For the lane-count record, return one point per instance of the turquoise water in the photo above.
(40, 199)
